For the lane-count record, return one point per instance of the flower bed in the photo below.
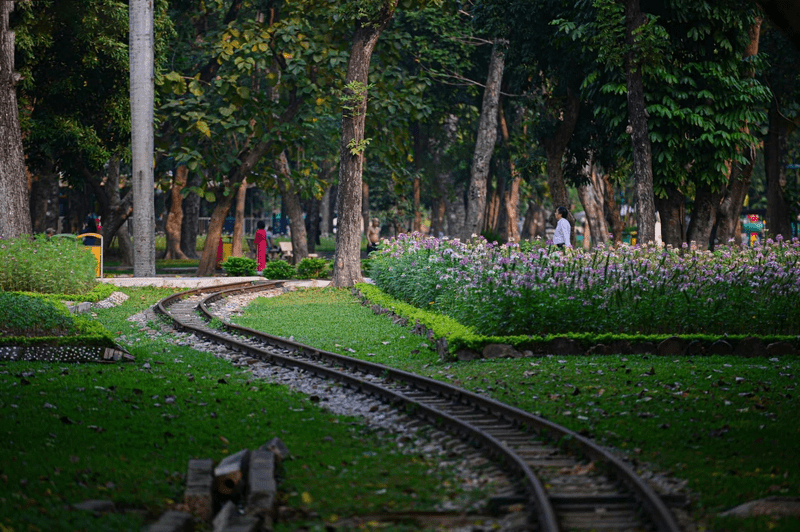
(538, 290)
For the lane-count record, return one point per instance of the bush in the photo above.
(239, 266)
(278, 269)
(313, 268)
(46, 265)
(22, 315)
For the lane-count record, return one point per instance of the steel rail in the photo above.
(658, 512)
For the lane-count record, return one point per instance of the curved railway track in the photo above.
(541, 455)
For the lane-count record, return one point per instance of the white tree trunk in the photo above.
(142, 96)
(484, 144)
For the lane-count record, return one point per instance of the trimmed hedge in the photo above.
(461, 337)
(32, 319)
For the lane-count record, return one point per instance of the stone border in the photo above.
(70, 353)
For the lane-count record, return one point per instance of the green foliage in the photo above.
(310, 268)
(74, 94)
(175, 404)
(278, 269)
(501, 290)
(46, 265)
(701, 419)
(22, 315)
(239, 266)
(98, 293)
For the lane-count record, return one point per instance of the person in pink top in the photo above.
(260, 242)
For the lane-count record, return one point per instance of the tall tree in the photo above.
(637, 122)
(740, 172)
(142, 64)
(484, 143)
(368, 29)
(16, 218)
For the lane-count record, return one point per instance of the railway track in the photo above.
(565, 481)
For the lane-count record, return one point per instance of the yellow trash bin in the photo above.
(224, 250)
(96, 248)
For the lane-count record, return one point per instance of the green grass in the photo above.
(726, 425)
(126, 432)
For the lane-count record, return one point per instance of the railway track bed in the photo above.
(561, 480)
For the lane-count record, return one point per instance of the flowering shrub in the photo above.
(46, 265)
(502, 290)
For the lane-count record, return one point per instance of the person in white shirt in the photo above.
(563, 229)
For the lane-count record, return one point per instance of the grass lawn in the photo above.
(726, 425)
(125, 433)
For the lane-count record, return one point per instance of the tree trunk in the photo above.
(554, 148)
(556, 145)
(510, 227)
(672, 210)
(172, 228)
(365, 207)
(294, 208)
(704, 216)
(637, 119)
(535, 225)
(191, 216)
(777, 219)
(116, 210)
(491, 216)
(44, 200)
(739, 181)
(612, 210)
(14, 195)
(731, 206)
(208, 260)
(142, 98)
(238, 223)
(438, 211)
(326, 214)
(592, 202)
(124, 243)
(484, 144)
(420, 148)
(312, 223)
(440, 221)
(347, 258)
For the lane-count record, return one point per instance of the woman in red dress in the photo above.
(260, 242)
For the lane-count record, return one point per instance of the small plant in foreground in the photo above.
(310, 268)
(239, 266)
(46, 265)
(22, 315)
(278, 269)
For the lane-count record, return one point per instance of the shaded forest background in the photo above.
(481, 118)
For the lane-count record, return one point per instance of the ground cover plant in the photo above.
(725, 425)
(48, 265)
(538, 289)
(125, 433)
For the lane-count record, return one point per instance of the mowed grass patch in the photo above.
(726, 425)
(125, 433)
